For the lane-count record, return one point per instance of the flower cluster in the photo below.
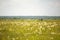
(29, 29)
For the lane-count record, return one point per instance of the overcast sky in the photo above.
(29, 7)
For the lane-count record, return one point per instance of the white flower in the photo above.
(45, 23)
(0, 28)
(13, 38)
(51, 38)
(52, 25)
(53, 33)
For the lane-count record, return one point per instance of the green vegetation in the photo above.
(29, 29)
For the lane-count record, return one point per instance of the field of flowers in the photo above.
(29, 29)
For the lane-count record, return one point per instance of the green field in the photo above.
(29, 29)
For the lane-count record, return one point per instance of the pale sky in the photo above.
(29, 7)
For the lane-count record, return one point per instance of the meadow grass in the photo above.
(29, 29)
